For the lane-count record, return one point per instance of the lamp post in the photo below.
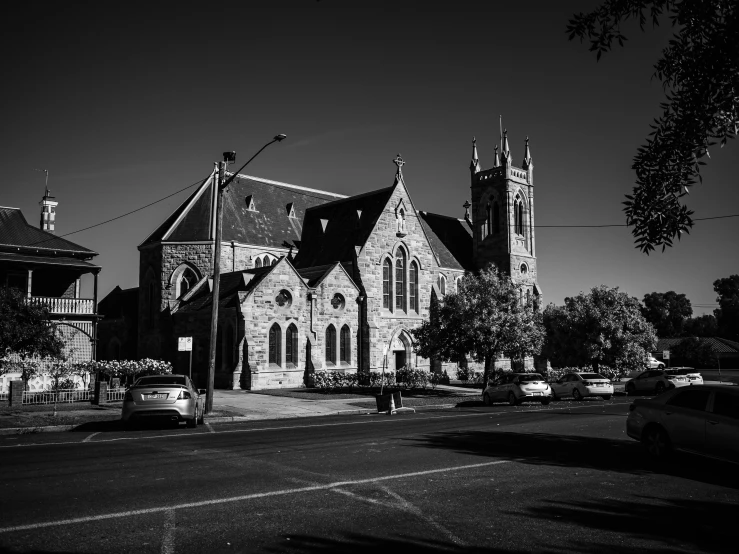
(222, 183)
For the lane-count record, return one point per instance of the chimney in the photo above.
(48, 212)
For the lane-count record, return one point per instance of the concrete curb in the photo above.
(31, 430)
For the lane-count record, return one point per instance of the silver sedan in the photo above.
(170, 397)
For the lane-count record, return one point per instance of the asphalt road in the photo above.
(564, 478)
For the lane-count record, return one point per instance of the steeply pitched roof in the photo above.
(345, 228)
(15, 232)
(717, 344)
(269, 224)
(450, 238)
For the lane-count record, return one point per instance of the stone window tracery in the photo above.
(284, 299)
(345, 348)
(275, 345)
(291, 345)
(331, 344)
(400, 292)
(442, 284)
(387, 271)
(185, 282)
(413, 288)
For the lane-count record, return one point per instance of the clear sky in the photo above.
(125, 103)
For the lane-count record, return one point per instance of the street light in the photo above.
(228, 157)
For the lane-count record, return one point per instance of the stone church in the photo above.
(313, 280)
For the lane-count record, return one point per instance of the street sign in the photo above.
(665, 354)
(184, 344)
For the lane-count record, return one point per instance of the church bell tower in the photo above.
(502, 216)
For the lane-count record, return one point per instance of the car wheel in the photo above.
(546, 401)
(576, 395)
(657, 442)
(630, 389)
(486, 400)
(606, 397)
(512, 399)
(192, 423)
(660, 388)
(201, 420)
(661, 366)
(554, 396)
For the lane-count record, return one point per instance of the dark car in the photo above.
(702, 419)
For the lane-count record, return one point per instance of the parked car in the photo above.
(654, 363)
(693, 376)
(171, 397)
(655, 380)
(702, 419)
(515, 388)
(580, 385)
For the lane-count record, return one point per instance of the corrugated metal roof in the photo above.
(46, 260)
(16, 232)
(718, 345)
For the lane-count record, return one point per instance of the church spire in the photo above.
(496, 157)
(527, 155)
(505, 155)
(475, 163)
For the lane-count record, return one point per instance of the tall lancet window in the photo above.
(387, 271)
(488, 221)
(400, 279)
(275, 345)
(496, 218)
(518, 215)
(413, 286)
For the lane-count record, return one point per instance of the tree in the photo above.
(727, 314)
(667, 312)
(699, 71)
(25, 329)
(485, 318)
(693, 352)
(603, 327)
(701, 326)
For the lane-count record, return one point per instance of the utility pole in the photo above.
(221, 183)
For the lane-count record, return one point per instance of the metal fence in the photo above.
(60, 396)
(116, 395)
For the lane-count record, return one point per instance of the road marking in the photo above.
(88, 438)
(402, 419)
(209, 428)
(242, 498)
(169, 529)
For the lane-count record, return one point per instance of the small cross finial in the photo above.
(399, 162)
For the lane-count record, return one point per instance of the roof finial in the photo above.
(475, 163)
(467, 207)
(400, 163)
(505, 150)
(527, 155)
(496, 157)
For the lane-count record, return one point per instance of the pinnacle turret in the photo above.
(505, 155)
(496, 158)
(475, 162)
(527, 155)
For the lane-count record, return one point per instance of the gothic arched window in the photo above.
(274, 262)
(258, 262)
(387, 289)
(400, 280)
(518, 215)
(496, 218)
(487, 226)
(442, 284)
(186, 281)
(345, 348)
(275, 345)
(331, 344)
(291, 345)
(414, 286)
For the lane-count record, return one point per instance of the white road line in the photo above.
(88, 438)
(243, 498)
(210, 428)
(169, 530)
(402, 419)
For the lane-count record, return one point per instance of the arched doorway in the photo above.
(400, 348)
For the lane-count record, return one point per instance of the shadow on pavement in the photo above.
(116, 425)
(624, 456)
(669, 525)
(367, 544)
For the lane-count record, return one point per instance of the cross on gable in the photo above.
(399, 162)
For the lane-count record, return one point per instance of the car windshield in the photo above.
(591, 376)
(161, 380)
(530, 377)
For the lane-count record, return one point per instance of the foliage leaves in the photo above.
(484, 318)
(727, 314)
(668, 312)
(602, 328)
(699, 71)
(25, 329)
